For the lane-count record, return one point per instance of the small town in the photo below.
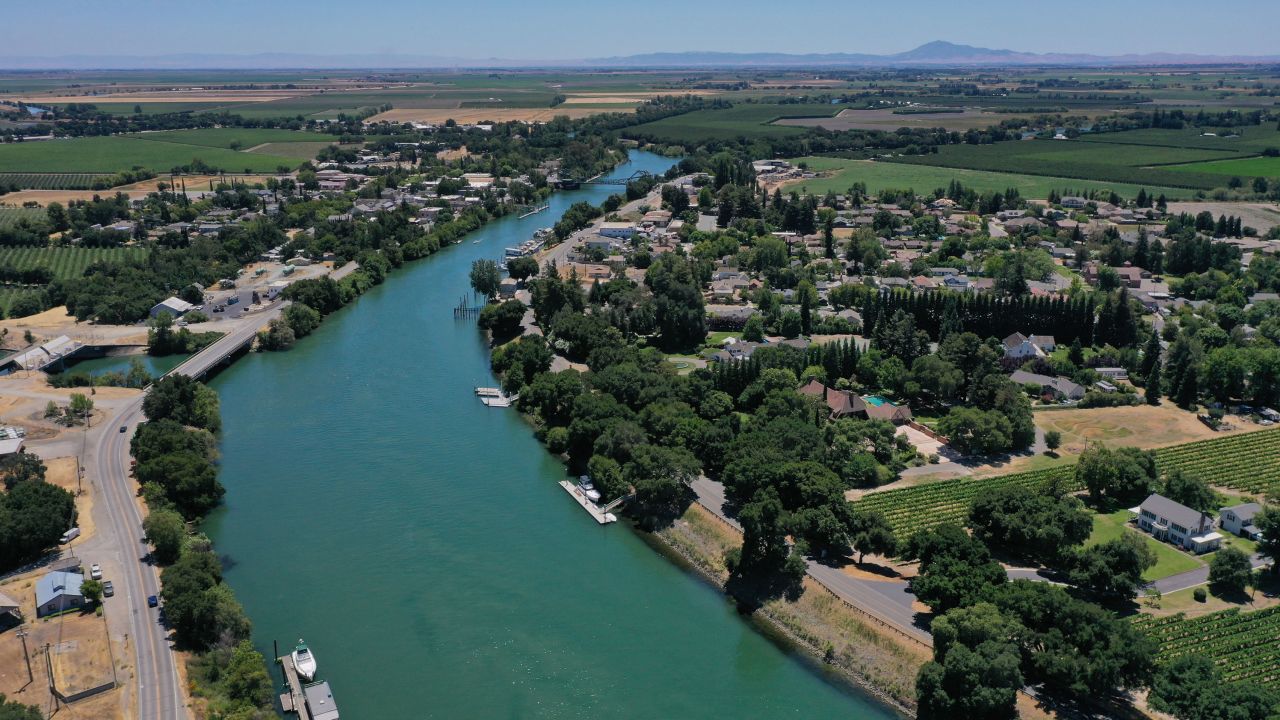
(936, 383)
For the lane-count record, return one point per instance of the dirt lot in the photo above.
(477, 115)
(1140, 426)
(55, 321)
(1262, 216)
(77, 649)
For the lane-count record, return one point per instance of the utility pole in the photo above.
(22, 634)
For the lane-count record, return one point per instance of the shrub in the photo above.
(1200, 594)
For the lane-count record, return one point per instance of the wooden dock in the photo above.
(593, 509)
(294, 701)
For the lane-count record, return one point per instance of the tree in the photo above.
(1230, 572)
(1113, 568)
(165, 530)
(302, 319)
(91, 590)
(977, 432)
(1191, 687)
(278, 335)
(246, 676)
(503, 320)
(1154, 379)
(14, 710)
(870, 532)
(185, 400)
(753, 330)
(1121, 475)
(1268, 523)
(522, 268)
(33, 516)
(660, 476)
(975, 671)
(21, 467)
(1020, 521)
(1189, 490)
(81, 406)
(1052, 440)
(955, 570)
(485, 277)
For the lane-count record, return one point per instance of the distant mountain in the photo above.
(938, 53)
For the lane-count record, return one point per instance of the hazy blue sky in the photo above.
(555, 29)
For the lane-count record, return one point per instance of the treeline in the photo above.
(33, 512)
(175, 451)
(937, 312)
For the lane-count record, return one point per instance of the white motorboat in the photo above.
(588, 489)
(304, 662)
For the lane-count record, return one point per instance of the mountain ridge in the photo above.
(937, 53)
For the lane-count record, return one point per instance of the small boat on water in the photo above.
(588, 488)
(304, 662)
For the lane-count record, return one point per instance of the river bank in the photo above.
(420, 544)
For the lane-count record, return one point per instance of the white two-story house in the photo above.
(1178, 524)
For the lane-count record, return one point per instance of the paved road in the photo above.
(887, 599)
(1192, 578)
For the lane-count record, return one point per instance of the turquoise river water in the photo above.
(420, 544)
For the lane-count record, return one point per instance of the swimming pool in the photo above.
(876, 400)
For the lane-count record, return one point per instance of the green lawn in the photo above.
(1169, 561)
(116, 153)
(717, 338)
(923, 178)
(744, 120)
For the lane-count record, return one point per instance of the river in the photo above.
(419, 543)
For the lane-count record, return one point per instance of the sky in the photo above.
(572, 29)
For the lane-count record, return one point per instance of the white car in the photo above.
(95, 572)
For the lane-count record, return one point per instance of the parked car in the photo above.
(95, 572)
(152, 601)
(108, 589)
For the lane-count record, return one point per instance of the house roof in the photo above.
(7, 604)
(1015, 340)
(1244, 511)
(176, 304)
(57, 584)
(1061, 384)
(1174, 512)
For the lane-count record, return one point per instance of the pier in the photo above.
(465, 309)
(597, 512)
(309, 702)
(535, 211)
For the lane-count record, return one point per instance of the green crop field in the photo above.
(1246, 167)
(10, 295)
(1246, 140)
(245, 138)
(1130, 164)
(11, 216)
(1249, 462)
(923, 179)
(1242, 644)
(116, 153)
(746, 120)
(51, 181)
(65, 262)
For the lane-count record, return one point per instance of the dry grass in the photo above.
(194, 182)
(1141, 426)
(467, 116)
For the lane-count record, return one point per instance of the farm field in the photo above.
(1242, 644)
(65, 262)
(51, 181)
(470, 115)
(298, 150)
(879, 175)
(228, 138)
(1248, 462)
(1141, 426)
(116, 153)
(855, 119)
(744, 120)
(1132, 164)
(1253, 139)
(1244, 167)
(11, 215)
(10, 295)
(1262, 216)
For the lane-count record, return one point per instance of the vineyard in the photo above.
(51, 181)
(11, 215)
(10, 295)
(1242, 644)
(1248, 462)
(65, 262)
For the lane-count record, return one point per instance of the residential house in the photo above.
(58, 591)
(1074, 202)
(1019, 346)
(1238, 520)
(1059, 388)
(1178, 524)
(1113, 373)
(843, 403)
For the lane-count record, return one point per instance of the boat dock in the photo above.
(313, 701)
(494, 397)
(535, 211)
(294, 701)
(597, 512)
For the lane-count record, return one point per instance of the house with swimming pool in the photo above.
(843, 403)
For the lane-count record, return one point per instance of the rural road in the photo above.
(1192, 578)
(118, 544)
(888, 599)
